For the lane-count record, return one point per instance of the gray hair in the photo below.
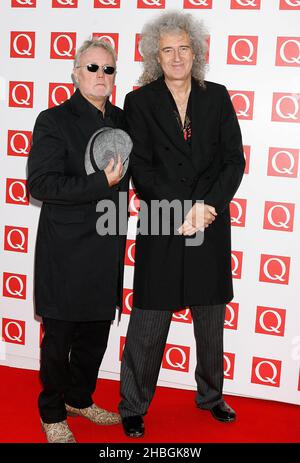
(169, 22)
(94, 43)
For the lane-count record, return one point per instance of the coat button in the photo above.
(167, 148)
(183, 179)
(180, 164)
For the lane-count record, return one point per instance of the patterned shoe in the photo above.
(95, 414)
(58, 433)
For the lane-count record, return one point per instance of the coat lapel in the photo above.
(163, 113)
(200, 112)
(85, 121)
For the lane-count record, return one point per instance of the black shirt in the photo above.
(186, 128)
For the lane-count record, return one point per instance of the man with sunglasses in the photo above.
(78, 273)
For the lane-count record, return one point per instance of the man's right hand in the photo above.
(114, 174)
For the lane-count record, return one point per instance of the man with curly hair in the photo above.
(187, 146)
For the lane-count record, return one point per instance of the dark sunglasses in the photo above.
(94, 68)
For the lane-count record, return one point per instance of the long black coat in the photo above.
(78, 273)
(168, 274)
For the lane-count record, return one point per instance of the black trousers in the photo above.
(145, 343)
(71, 354)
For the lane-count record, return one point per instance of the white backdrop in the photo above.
(255, 52)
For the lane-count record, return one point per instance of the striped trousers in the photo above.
(144, 348)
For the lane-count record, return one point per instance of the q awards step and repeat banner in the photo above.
(254, 49)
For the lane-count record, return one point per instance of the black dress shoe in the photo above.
(133, 426)
(222, 412)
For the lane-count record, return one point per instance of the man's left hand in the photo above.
(199, 217)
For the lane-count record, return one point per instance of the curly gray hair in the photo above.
(174, 21)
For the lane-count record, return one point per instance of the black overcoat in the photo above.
(78, 273)
(168, 274)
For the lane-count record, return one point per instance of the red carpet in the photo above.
(172, 417)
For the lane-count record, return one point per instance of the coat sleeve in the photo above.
(47, 180)
(232, 163)
(145, 175)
